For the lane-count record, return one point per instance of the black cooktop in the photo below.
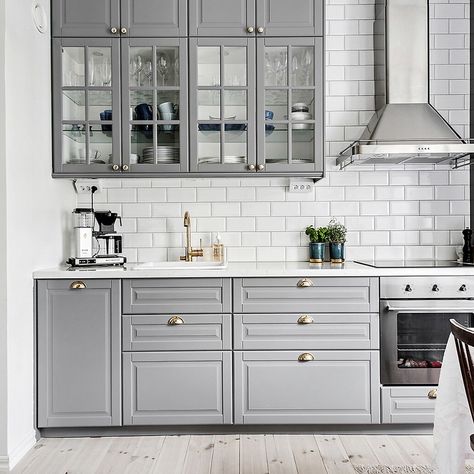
(411, 263)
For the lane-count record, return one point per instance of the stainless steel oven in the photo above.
(414, 325)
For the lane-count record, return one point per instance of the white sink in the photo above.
(179, 265)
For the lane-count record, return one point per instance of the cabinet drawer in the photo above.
(335, 387)
(298, 331)
(184, 295)
(318, 295)
(161, 333)
(177, 388)
(407, 404)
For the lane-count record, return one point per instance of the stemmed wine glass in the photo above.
(148, 71)
(163, 67)
(136, 67)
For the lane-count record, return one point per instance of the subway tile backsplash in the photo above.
(390, 212)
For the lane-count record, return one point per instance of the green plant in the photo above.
(336, 232)
(317, 235)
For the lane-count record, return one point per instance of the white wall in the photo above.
(38, 207)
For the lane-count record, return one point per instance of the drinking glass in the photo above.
(163, 67)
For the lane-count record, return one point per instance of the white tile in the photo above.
(285, 208)
(270, 254)
(270, 223)
(434, 208)
(374, 208)
(154, 254)
(241, 254)
(389, 193)
(255, 208)
(232, 239)
(197, 209)
(449, 192)
(374, 238)
(166, 209)
(359, 223)
(329, 193)
(342, 178)
(315, 209)
(211, 194)
(211, 224)
(275, 193)
(298, 224)
(374, 178)
(128, 225)
(419, 252)
(151, 195)
(406, 237)
(344, 208)
(418, 222)
(122, 195)
(360, 253)
(449, 223)
(240, 224)
(286, 239)
(241, 194)
(297, 254)
(460, 208)
(153, 225)
(195, 183)
(404, 208)
(390, 252)
(256, 239)
(360, 193)
(389, 223)
(166, 183)
(445, 253)
(136, 210)
(434, 237)
(168, 239)
(137, 240)
(225, 209)
(181, 194)
(136, 183)
(418, 193)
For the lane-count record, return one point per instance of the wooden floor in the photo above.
(224, 454)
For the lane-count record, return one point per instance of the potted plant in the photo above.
(317, 242)
(336, 237)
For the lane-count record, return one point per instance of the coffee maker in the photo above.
(109, 242)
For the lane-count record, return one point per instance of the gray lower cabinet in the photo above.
(336, 387)
(408, 404)
(78, 341)
(177, 388)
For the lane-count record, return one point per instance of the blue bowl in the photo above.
(229, 127)
(268, 114)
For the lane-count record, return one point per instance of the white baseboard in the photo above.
(17, 453)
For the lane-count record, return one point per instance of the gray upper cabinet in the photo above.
(114, 18)
(78, 341)
(289, 18)
(222, 17)
(85, 18)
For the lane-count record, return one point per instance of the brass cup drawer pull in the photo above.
(305, 319)
(433, 394)
(305, 283)
(175, 321)
(305, 357)
(77, 285)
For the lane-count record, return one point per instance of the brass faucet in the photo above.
(189, 252)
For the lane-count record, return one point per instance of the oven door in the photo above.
(414, 334)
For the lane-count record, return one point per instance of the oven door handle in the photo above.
(429, 310)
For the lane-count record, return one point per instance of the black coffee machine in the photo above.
(109, 242)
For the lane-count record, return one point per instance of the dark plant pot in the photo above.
(336, 250)
(316, 252)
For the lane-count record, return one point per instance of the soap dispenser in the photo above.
(218, 248)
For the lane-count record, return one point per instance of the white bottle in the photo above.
(218, 249)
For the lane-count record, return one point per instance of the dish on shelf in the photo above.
(299, 107)
(229, 127)
(230, 117)
(164, 154)
(226, 160)
(269, 128)
(285, 161)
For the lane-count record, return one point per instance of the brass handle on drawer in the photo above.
(433, 394)
(305, 319)
(305, 283)
(77, 285)
(175, 321)
(305, 357)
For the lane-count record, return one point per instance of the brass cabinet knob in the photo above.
(260, 29)
(125, 167)
(305, 319)
(175, 321)
(115, 167)
(251, 167)
(305, 283)
(114, 30)
(305, 357)
(433, 394)
(250, 29)
(260, 167)
(123, 30)
(77, 285)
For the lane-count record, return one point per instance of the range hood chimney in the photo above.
(406, 129)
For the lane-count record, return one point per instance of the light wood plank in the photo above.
(119, 456)
(225, 459)
(412, 449)
(199, 455)
(386, 451)
(43, 449)
(253, 456)
(146, 455)
(172, 456)
(306, 454)
(358, 450)
(279, 455)
(334, 455)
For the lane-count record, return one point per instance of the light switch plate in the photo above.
(84, 186)
(300, 185)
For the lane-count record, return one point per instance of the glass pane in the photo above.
(73, 105)
(100, 66)
(100, 151)
(303, 143)
(303, 101)
(139, 140)
(209, 146)
(74, 144)
(100, 105)
(235, 105)
(167, 66)
(235, 144)
(235, 66)
(276, 143)
(209, 66)
(141, 105)
(141, 67)
(73, 66)
(302, 66)
(209, 105)
(276, 66)
(276, 104)
(170, 98)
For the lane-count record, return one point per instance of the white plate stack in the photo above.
(231, 160)
(164, 154)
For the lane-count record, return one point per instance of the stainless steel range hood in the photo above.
(406, 129)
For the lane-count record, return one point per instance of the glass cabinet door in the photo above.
(154, 102)
(86, 106)
(290, 104)
(222, 98)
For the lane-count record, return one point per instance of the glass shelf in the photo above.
(281, 135)
(105, 137)
(100, 98)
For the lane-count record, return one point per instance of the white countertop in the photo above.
(251, 269)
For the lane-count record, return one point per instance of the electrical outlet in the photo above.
(84, 186)
(300, 185)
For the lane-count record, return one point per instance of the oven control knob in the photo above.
(435, 288)
(463, 288)
(408, 288)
